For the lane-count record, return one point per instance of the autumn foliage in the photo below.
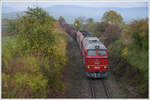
(128, 48)
(111, 34)
(33, 57)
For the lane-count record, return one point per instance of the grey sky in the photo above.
(24, 5)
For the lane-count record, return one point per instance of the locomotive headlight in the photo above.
(105, 66)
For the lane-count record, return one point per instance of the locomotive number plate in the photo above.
(97, 67)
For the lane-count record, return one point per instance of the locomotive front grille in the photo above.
(96, 74)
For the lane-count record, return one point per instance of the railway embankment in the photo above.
(128, 56)
(77, 85)
(128, 59)
(132, 73)
(75, 82)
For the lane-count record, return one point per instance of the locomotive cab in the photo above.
(96, 62)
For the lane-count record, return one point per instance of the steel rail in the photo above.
(106, 89)
(92, 91)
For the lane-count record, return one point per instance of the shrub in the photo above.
(132, 49)
(23, 79)
(111, 34)
(32, 62)
(35, 32)
(139, 31)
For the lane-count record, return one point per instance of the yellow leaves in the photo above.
(125, 52)
(5, 78)
(41, 54)
(126, 37)
(49, 50)
(112, 17)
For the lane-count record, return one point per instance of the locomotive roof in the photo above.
(93, 43)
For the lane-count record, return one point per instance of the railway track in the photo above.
(106, 89)
(92, 91)
(98, 88)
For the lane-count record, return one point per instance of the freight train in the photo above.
(94, 53)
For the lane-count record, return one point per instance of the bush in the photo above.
(21, 76)
(35, 32)
(139, 31)
(32, 61)
(24, 79)
(101, 28)
(132, 50)
(30, 76)
(111, 34)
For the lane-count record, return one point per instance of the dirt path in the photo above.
(76, 83)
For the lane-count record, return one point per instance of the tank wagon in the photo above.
(95, 55)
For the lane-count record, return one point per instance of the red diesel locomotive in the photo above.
(95, 55)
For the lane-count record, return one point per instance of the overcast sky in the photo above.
(24, 5)
(71, 9)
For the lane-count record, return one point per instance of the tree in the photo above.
(100, 28)
(61, 20)
(112, 17)
(89, 21)
(111, 34)
(35, 32)
(126, 37)
(32, 65)
(12, 27)
(139, 32)
(79, 22)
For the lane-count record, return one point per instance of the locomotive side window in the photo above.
(91, 52)
(101, 53)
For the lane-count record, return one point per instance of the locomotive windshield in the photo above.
(96, 53)
(101, 52)
(91, 52)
